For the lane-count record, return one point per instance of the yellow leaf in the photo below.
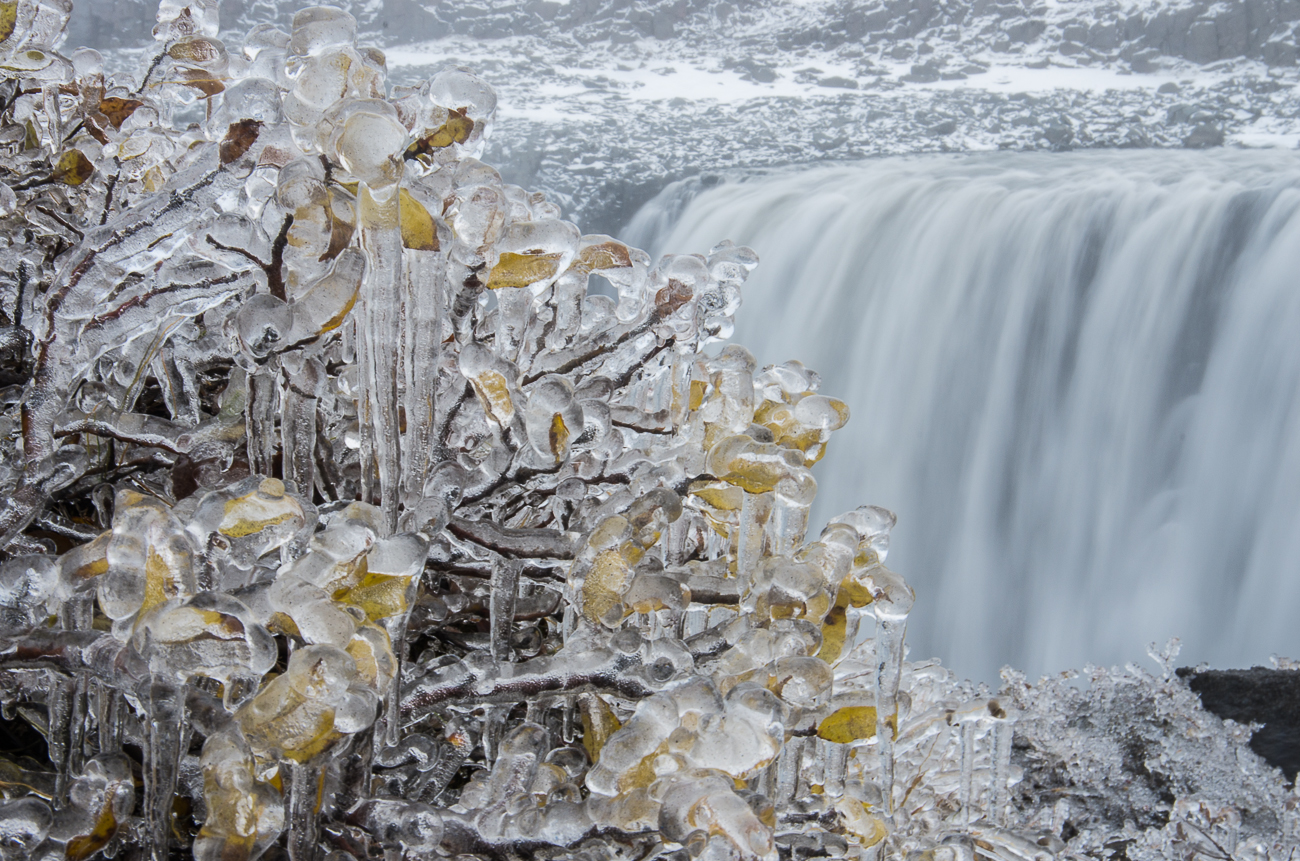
(196, 50)
(279, 623)
(379, 595)
(8, 19)
(698, 389)
(606, 255)
(159, 581)
(834, 633)
(851, 723)
(456, 129)
(610, 574)
(154, 179)
(239, 139)
(723, 497)
(117, 109)
(257, 510)
(419, 233)
(756, 476)
(87, 561)
(559, 435)
(521, 270)
(855, 594)
(313, 741)
(598, 723)
(493, 390)
(340, 236)
(850, 593)
(73, 168)
(203, 81)
(857, 820)
(83, 846)
(374, 657)
(337, 320)
(28, 61)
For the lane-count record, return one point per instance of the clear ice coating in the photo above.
(341, 521)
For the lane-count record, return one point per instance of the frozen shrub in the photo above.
(341, 520)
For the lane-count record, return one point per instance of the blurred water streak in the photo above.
(1075, 377)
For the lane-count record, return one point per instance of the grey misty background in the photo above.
(640, 118)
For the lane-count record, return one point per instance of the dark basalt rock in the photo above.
(1258, 695)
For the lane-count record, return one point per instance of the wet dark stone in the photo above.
(838, 82)
(1258, 695)
(922, 73)
(1203, 136)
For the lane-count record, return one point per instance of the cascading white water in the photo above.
(1075, 377)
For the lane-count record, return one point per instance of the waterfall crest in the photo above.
(1075, 377)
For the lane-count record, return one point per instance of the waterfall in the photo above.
(1075, 377)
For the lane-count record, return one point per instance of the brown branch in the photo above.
(108, 195)
(595, 353)
(519, 543)
(275, 272)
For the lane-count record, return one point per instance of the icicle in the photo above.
(53, 115)
(167, 741)
(1003, 734)
(261, 410)
(452, 754)
(512, 313)
(59, 706)
(79, 738)
(835, 758)
(789, 518)
(109, 705)
(755, 510)
(493, 729)
(673, 543)
(893, 601)
(568, 723)
(889, 659)
(389, 731)
(354, 769)
(653, 625)
(788, 766)
(300, 805)
(379, 339)
(176, 375)
(569, 623)
(367, 141)
(425, 275)
(78, 612)
(505, 591)
(679, 407)
(303, 383)
(965, 790)
(693, 621)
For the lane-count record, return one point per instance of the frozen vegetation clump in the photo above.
(345, 516)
